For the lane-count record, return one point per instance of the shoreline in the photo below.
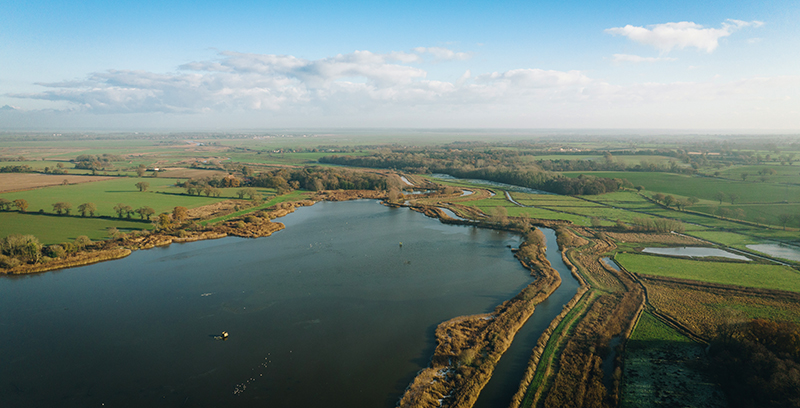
(468, 347)
(262, 227)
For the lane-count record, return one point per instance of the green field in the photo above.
(293, 196)
(728, 273)
(661, 370)
(162, 195)
(51, 229)
(649, 329)
(704, 187)
(783, 174)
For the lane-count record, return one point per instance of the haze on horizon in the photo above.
(573, 65)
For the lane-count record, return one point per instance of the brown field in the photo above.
(663, 238)
(26, 181)
(702, 309)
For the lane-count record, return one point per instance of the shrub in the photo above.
(55, 251)
(9, 262)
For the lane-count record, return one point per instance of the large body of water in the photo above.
(330, 312)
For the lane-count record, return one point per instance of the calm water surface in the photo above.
(512, 365)
(695, 252)
(778, 251)
(330, 312)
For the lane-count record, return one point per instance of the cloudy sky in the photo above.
(211, 65)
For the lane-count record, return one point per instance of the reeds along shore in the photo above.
(251, 226)
(469, 347)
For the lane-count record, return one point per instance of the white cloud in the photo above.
(369, 89)
(443, 54)
(680, 35)
(638, 59)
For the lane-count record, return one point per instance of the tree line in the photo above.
(758, 363)
(499, 166)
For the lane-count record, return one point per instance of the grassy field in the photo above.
(783, 174)
(728, 273)
(162, 195)
(704, 310)
(293, 196)
(660, 369)
(651, 330)
(731, 239)
(487, 205)
(51, 229)
(704, 187)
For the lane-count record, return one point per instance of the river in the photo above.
(332, 311)
(511, 367)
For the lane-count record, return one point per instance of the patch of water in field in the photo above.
(612, 263)
(331, 312)
(778, 251)
(695, 252)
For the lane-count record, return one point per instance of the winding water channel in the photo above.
(332, 311)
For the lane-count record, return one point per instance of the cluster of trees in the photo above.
(65, 208)
(721, 196)
(316, 178)
(609, 163)
(127, 211)
(670, 200)
(96, 162)
(758, 364)
(18, 249)
(502, 166)
(20, 204)
(22, 168)
(647, 224)
(198, 187)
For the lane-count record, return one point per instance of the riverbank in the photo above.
(252, 225)
(469, 347)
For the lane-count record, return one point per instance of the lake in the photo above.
(332, 311)
(778, 251)
(695, 252)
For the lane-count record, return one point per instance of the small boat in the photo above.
(224, 335)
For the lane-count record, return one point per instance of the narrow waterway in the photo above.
(511, 367)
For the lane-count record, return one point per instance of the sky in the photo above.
(210, 65)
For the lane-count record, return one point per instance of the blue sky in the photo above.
(213, 65)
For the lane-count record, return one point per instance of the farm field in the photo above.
(487, 205)
(704, 187)
(162, 195)
(703, 310)
(659, 369)
(52, 229)
(783, 174)
(777, 277)
(26, 181)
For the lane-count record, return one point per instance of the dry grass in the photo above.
(216, 210)
(26, 181)
(469, 347)
(663, 238)
(703, 309)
